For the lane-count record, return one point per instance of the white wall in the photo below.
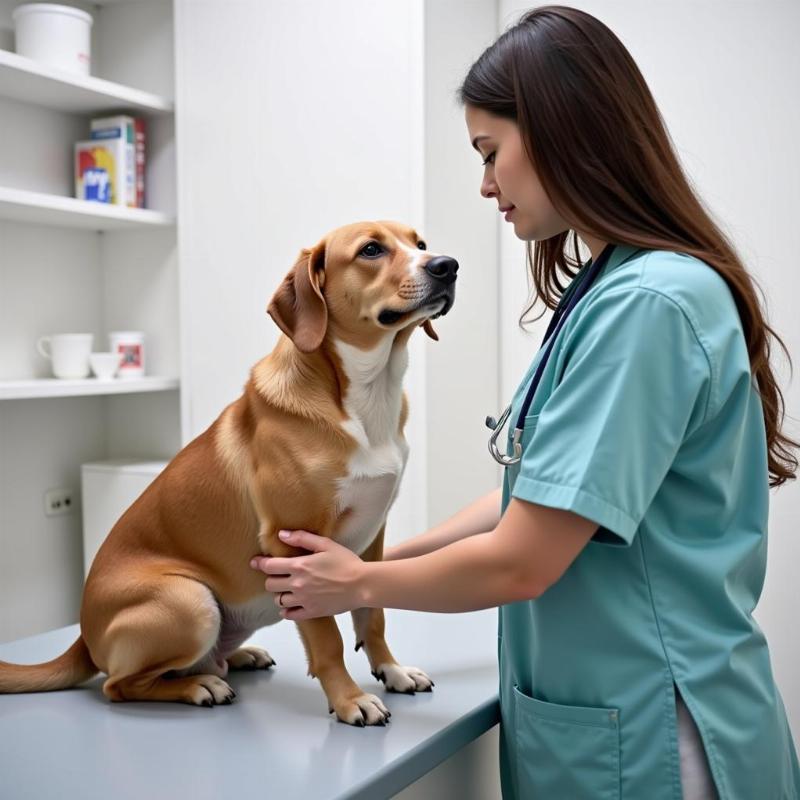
(463, 369)
(317, 118)
(725, 78)
(308, 116)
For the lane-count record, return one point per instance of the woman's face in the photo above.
(509, 177)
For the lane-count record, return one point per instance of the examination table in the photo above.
(276, 740)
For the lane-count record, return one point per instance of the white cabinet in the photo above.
(108, 489)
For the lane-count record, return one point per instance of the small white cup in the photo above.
(68, 353)
(105, 365)
(130, 345)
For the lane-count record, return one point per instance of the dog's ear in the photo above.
(428, 328)
(298, 307)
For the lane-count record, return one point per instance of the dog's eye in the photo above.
(371, 250)
(422, 245)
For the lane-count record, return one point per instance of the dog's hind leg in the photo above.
(175, 628)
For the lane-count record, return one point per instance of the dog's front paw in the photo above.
(407, 680)
(360, 710)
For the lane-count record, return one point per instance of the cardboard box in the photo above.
(100, 171)
(124, 127)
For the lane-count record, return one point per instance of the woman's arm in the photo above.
(478, 517)
(524, 555)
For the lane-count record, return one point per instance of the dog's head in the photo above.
(363, 281)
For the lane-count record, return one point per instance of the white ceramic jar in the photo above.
(130, 345)
(56, 35)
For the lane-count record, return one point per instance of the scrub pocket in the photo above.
(566, 751)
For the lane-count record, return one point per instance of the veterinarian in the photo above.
(626, 549)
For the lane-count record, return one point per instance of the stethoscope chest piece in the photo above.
(497, 427)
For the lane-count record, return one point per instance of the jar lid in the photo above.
(51, 8)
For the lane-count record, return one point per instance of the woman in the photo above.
(628, 548)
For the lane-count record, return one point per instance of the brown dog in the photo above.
(315, 442)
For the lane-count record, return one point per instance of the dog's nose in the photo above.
(443, 268)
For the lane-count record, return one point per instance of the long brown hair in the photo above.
(600, 147)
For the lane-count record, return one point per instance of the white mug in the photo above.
(130, 346)
(68, 353)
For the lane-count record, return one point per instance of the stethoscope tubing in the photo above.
(556, 323)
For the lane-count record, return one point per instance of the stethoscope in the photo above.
(559, 316)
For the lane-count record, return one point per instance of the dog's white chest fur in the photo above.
(373, 402)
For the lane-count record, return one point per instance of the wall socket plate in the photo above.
(58, 502)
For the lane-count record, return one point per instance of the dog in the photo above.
(314, 442)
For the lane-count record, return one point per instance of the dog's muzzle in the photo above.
(441, 286)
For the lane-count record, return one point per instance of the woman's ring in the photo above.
(280, 599)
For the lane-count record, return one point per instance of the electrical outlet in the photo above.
(58, 502)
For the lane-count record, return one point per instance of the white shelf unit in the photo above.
(57, 387)
(31, 82)
(21, 205)
(68, 265)
(25, 80)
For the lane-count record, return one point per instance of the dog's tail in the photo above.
(73, 667)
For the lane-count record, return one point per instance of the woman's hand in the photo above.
(327, 582)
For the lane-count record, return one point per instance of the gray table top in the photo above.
(276, 739)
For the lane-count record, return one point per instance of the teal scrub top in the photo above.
(647, 422)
